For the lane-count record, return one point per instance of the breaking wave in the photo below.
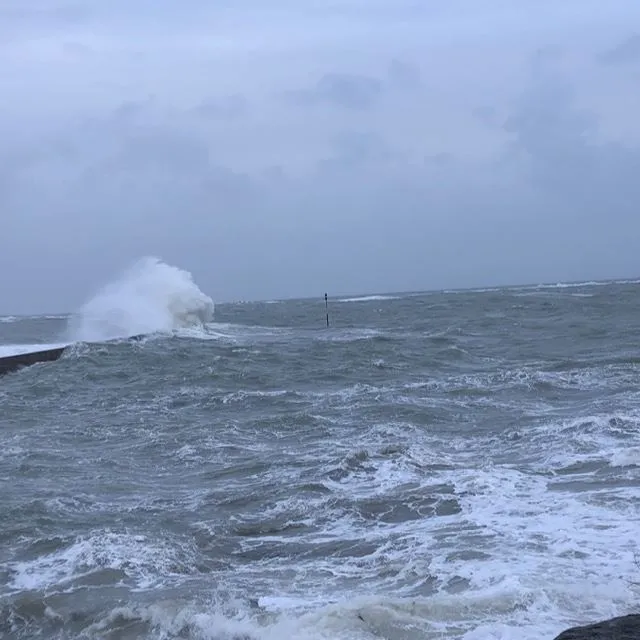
(149, 297)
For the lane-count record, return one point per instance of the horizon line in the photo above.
(406, 292)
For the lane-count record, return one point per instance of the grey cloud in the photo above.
(129, 112)
(404, 75)
(558, 141)
(76, 49)
(627, 52)
(121, 166)
(350, 91)
(160, 151)
(39, 12)
(442, 159)
(487, 115)
(37, 17)
(225, 108)
(232, 187)
(391, 181)
(353, 149)
(165, 171)
(358, 91)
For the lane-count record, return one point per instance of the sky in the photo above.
(284, 148)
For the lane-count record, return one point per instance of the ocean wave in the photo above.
(372, 298)
(150, 297)
(132, 559)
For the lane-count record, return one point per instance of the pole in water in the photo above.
(326, 306)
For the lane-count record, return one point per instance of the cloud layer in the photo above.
(284, 149)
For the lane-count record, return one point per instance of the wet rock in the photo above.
(621, 628)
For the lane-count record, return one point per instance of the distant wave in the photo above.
(368, 298)
(573, 285)
(11, 319)
(570, 285)
(543, 286)
(481, 290)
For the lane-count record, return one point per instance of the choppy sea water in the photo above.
(444, 465)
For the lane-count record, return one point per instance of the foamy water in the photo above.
(454, 466)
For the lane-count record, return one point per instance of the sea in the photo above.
(448, 464)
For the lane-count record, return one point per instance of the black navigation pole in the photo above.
(326, 306)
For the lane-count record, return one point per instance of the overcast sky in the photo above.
(283, 148)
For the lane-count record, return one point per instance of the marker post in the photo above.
(326, 306)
